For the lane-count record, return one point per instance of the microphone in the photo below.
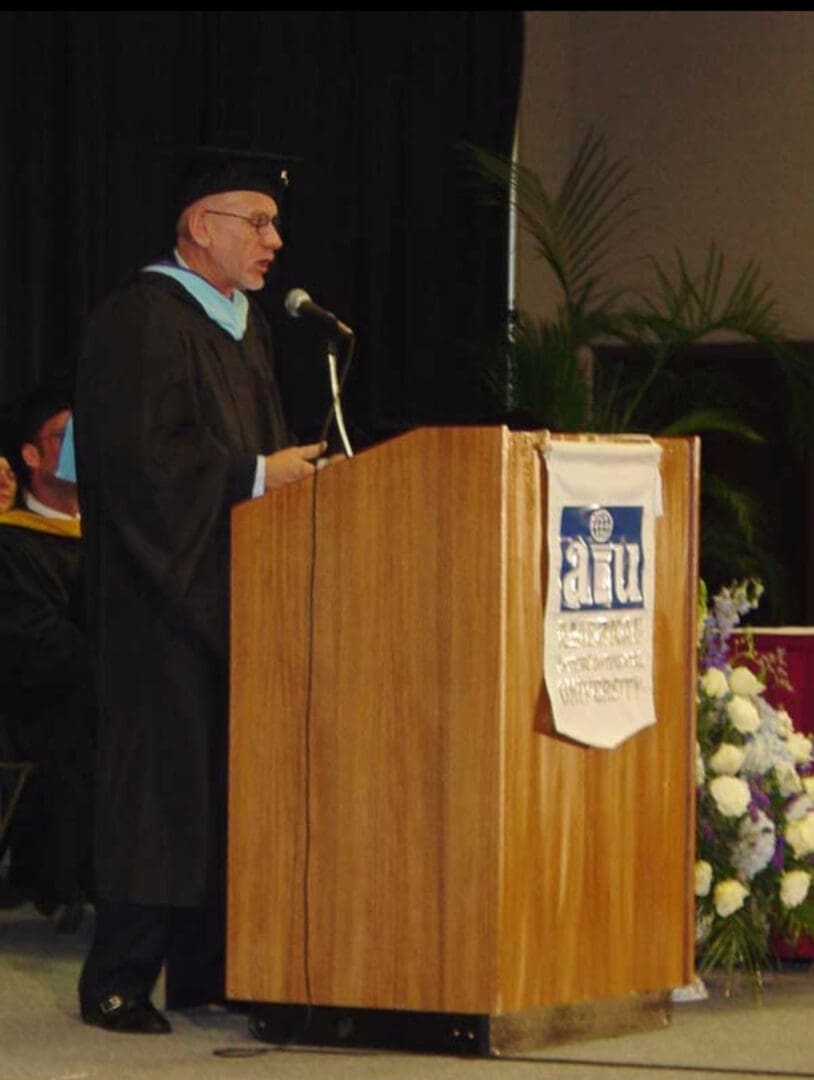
(299, 303)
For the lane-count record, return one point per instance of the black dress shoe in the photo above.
(117, 1013)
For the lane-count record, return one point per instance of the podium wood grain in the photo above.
(405, 829)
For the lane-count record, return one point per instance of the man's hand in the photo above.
(293, 463)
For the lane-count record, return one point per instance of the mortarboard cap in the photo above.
(208, 170)
(27, 414)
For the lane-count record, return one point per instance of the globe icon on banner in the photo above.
(601, 525)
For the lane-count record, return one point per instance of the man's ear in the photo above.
(30, 455)
(198, 226)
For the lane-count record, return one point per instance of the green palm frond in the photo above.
(735, 541)
(551, 394)
(686, 308)
(574, 229)
(695, 305)
(737, 511)
(702, 420)
(734, 944)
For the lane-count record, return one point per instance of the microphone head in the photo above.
(294, 300)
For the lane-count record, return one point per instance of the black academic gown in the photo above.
(47, 701)
(170, 415)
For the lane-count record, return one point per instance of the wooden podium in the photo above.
(407, 832)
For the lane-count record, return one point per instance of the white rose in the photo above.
(742, 681)
(729, 896)
(703, 878)
(808, 785)
(800, 746)
(743, 714)
(754, 850)
(713, 683)
(800, 835)
(799, 807)
(784, 724)
(727, 759)
(788, 781)
(759, 755)
(794, 887)
(731, 795)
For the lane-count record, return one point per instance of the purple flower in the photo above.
(779, 853)
(760, 800)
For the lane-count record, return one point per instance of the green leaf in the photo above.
(736, 943)
(698, 420)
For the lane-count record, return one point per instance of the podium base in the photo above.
(380, 1029)
(534, 1029)
(460, 1034)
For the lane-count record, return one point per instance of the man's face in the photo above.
(41, 455)
(48, 442)
(243, 239)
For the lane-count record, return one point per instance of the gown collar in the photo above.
(230, 315)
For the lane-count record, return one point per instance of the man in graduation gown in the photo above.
(177, 418)
(46, 687)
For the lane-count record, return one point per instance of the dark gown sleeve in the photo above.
(41, 641)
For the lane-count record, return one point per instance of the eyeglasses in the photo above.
(257, 221)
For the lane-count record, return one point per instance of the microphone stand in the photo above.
(336, 389)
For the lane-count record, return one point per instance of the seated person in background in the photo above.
(8, 484)
(46, 688)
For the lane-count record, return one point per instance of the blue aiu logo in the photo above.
(601, 558)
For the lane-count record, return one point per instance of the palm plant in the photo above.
(564, 373)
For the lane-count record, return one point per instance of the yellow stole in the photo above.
(27, 519)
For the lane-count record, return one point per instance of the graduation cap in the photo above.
(199, 171)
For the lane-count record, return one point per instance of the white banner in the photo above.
(603, 498)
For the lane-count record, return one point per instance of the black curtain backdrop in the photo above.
(381, 225)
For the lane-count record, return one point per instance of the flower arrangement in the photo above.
(755, 788)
